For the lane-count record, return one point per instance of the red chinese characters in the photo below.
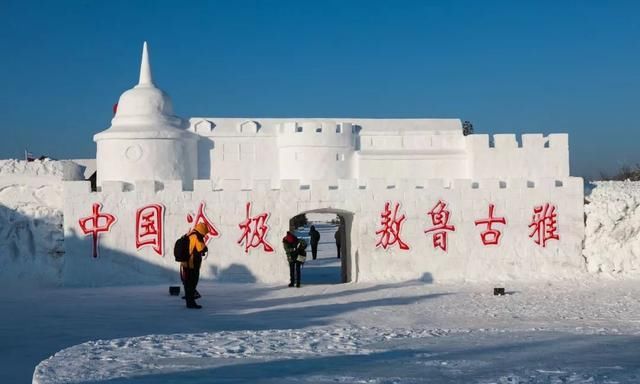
(95, 224)
(391, 228)
(202, 217)
(440, 220)
(254, 231)
(149, 227)
(491, 236)
(544, 224)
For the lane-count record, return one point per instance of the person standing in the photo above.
(294, 248)
(337, 237)
(315, 239)
(190, 269)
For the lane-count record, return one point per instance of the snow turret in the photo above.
(146, 141)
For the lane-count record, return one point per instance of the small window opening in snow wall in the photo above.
(319, 130)
(299, 129)
(339, 156)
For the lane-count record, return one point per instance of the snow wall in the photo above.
(285, 149)
(31, 236)
(120, 260)
(33, 249)
(612, 244)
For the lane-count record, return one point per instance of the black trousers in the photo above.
(294, 272)
(338, 246)
(314, 250)
(190, 277)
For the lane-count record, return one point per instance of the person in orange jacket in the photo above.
(190, 269)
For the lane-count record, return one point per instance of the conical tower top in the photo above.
(145, 68)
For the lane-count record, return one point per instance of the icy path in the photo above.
(590, 329)
(326, 268)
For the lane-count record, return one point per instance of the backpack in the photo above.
(181, 249)
(301, 252)
(302, 245)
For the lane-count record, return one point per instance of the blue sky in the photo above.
(507, 66)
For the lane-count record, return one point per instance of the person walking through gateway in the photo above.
(190, 269)
(296, 255)
(315, 239)
(337, 237)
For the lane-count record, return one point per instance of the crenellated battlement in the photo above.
(428, 141)
(527, 141)
(529, 156)
(150, 187)
(315, 134)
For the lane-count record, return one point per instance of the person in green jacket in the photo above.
(296, 256)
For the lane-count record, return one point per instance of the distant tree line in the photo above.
(298, 221)
(625, 172)
(467, 128)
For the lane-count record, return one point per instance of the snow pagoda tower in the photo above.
(146, 141)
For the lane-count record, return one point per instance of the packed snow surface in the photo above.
(568, 332)
(583, 331)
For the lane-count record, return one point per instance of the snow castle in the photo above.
(417, 198)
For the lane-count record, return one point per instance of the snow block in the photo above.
(559, 140)
(505, 140)
(109, 186)
(573, 185)
(347, 185)
(172, 186)
(147, 187)
(533, 140)
(72, 188)
(231, 185)
(289, 185)
(202, 186)
(477, 142)
(435, 184)
(377, 184)
(464, 184)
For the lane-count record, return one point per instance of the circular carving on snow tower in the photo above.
(133, 152)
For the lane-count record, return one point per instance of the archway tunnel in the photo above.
(334, 263)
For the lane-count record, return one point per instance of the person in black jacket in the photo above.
(315, 239)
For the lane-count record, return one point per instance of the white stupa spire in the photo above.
(145, 107)
(145, 67)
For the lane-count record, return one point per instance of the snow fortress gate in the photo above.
(419, 199)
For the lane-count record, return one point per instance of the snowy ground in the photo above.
(568, 332)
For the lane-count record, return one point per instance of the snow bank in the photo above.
(612, 244)
(103, 360)
(31, 236)
(64, 170)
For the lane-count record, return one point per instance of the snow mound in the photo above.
(612, 243)
(31, 206)
(65, 170)
(111, 359)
